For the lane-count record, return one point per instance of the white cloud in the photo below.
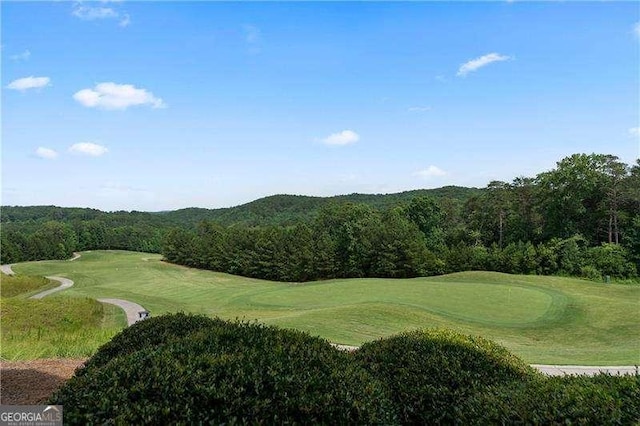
(429, 172)
(90, 13)
(125, 21)
(29, 83)
(253, 38)
(251, 33)
(344, 137)
(88, 148)
(120, 187)
(47, 153)
(24, 56)
(635, 131)
(117, 96)
(419, 109)
(636, 29)
(477, 63)
(93, 13)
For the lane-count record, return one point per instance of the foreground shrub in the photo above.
(228, 373)
(149, 333)
(431, 373)
(598, 400)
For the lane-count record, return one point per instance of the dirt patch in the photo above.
(32, 382)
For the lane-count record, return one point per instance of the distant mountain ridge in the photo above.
(285, 209)
(279, 209)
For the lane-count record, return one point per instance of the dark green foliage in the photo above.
(48, 232)
(187, 369)
(611, 259)
(285, 210)
(431, 373)
(228, 373)
(150, 333)
(345, 240)
(598, 400)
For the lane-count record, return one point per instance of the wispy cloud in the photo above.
(125, 20)
(253, 38)
(120, 187)
(482, 61)
(251, 33)
(46, 153)
(29, 83)
(92, 13)
(344, 137)
(635, 132)
(117, 96)
(419, 109)
(24, 56)
(88, 148)
(430, 172)
(636, 30)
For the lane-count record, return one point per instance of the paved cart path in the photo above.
(6, 269)
(65, 283)
(130, 308)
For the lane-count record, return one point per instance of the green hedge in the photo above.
(189, 369)
(150, 333)
(431, 373)
(598, 400)
(235, 373)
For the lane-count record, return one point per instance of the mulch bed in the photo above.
(32, 382)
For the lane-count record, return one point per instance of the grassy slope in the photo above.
(542, 319)
(58, 326)
(24, 286)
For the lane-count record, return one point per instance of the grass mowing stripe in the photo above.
(546, 320)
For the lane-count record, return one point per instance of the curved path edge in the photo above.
(64, 284)
(6, 269)
(130, 309)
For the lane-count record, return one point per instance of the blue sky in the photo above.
(164, 105)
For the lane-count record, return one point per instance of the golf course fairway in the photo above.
(545, 320)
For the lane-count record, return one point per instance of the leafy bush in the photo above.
(590, 273)
(598, 400)
(228, 373)
(611, 259)
(430, 373)
(192, 369)
(150, 333)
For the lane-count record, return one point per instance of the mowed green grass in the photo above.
(542, 319)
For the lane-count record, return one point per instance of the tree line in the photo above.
(51, 239)
(582, 219)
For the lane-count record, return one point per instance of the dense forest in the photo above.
(50, 232)
(582, 219)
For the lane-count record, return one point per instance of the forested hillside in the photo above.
(582, 218)
(292, 209)
(50, 232)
